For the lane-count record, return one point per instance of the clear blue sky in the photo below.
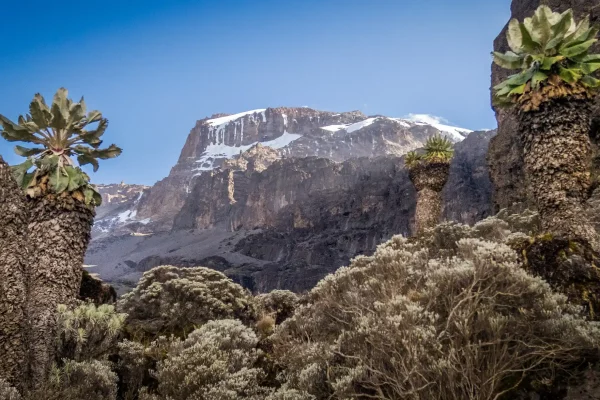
(155, 67)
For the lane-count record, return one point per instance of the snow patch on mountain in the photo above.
(225, 120)
(440, 124)
(350, 127)
(455, 133)
(220, 151)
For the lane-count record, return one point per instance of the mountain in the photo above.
(277, 198)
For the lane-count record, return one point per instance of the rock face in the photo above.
(119, 202)
(271, 222)
(505, 158)
(292, 133)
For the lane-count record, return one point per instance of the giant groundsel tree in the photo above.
(553, 92)
(61, 204)
(428, 170)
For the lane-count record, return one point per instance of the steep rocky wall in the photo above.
(505, 158)
(286, 194)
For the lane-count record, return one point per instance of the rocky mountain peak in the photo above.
(252, 140)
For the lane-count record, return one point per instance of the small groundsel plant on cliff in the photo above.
(60, 131)
(552, 52)
(437, 149)
(415, 322)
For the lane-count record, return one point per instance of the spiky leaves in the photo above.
(552, 52)
(412, 159)
(437, 149)
(61, 132)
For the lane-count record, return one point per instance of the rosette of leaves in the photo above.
(412, 159)
(60, 133)
(438, 149)
(552, 52)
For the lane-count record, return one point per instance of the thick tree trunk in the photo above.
(13, 257)
(557, 158)
(59, 233)
(429, 180)
(429, 209)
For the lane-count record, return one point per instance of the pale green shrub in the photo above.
(411, 323)
(215, 362)
(87, 380)
(137, 361)
(87, 331)
(172, 300)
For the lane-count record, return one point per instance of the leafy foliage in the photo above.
(279, 304)
(90, 380)
(412, 159)
(215, 362)
(444, 316)
(172, 300)
(437, 149)
(552, 52)
(88, 331)
(60, 132)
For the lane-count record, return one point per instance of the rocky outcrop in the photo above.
(119, 202)
(285, 223)
(505, 157)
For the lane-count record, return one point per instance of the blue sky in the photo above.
(155, 67)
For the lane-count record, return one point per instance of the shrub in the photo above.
(171, 300)
(87, 331)
(410, 323)
(89, 380)
(215, 362)
(280, 304)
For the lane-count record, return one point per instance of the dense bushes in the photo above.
(170, 300)
(457, 321)
(450, 314)
(87, 331)
(215, 362)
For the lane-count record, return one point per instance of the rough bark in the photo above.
(429, 180)
(429, 209)
(13, 253)
(557, 159)
(59, 232)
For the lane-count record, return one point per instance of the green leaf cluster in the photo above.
(437, 149)
(548, 46)
(60, 178)
(60, 131)
(412, 158)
